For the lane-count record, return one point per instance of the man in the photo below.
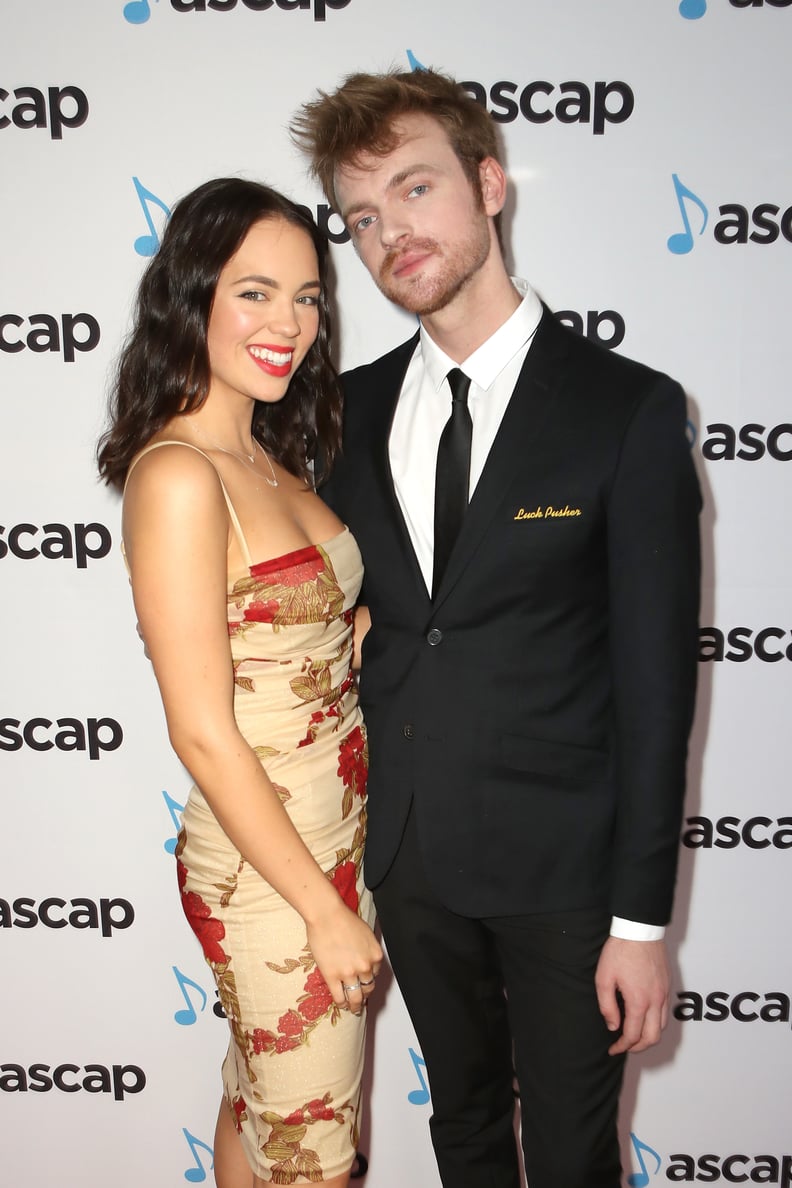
(529, 674)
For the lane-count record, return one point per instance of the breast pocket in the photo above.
(552, 762)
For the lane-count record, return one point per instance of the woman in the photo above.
(244, 584)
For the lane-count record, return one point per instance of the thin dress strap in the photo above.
(155, 445)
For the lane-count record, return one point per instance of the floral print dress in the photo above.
(294, 1064)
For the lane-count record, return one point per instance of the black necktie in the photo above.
(452, 478)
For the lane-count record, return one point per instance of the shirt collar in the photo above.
(487, 361)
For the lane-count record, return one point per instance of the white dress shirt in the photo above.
(424, 406)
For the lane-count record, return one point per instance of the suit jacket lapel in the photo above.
(528, 408)
(392, 379)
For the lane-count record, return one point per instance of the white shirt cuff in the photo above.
(632, 930)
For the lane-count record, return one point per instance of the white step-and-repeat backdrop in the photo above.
(649, 150)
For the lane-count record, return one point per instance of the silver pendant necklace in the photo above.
(246, 459)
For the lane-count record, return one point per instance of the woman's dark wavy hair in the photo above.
(164, 366)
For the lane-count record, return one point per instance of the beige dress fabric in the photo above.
(293, 1069)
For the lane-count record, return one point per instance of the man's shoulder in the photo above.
(601, 366)
(392, 364)
(595, 384)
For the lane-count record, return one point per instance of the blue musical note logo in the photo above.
(682, 241)
(691, 10)
(197, 1174)
(173, 807)
(413, 61)
(418, 1096)
(137, 12)
(147, 245)
(186, 1016)
(641, 1179)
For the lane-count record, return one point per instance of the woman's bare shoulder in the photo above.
(171, 467)
(173, 488)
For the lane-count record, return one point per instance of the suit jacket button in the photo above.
(434, 636)
(409, 730)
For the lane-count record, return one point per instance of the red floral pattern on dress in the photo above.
(290, 1159)
(209, 930)
(286, 1043)
(318, 1000)
(294, 1026)
(353, 768)
(268, 601)
(344, 879)
(307, 571)
(262, 612)
(239, 1113)
(299, 587)
(262, 1040)
(290, 1024)
(313, 728)
(315, 1109)
(309, 561)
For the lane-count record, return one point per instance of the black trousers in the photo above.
(492, 997)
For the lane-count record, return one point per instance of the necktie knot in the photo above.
(459, 384)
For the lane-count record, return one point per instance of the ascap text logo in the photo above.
(692, 1169)
(747, 443)
(137, 12)
(739, 644)
(762, 224)
(79, 543)
(119, 1079)
(539, 102)
(96, 735)
(727, 833)
(694, 10)
(44, 333)
(603, 326)
(734, 1169)
(747, 1006)
(105, 916)
(55, 109)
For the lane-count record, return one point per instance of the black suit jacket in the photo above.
(536, 713)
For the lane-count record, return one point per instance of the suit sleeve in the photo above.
(654, 575)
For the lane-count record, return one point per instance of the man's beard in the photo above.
(427, 295)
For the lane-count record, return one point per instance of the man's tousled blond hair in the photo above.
(337, 129)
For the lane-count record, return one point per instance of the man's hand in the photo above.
(638, 970)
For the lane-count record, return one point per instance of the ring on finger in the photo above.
(370, 982)
(353, 987)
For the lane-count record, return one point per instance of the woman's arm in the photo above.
(176, 538)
